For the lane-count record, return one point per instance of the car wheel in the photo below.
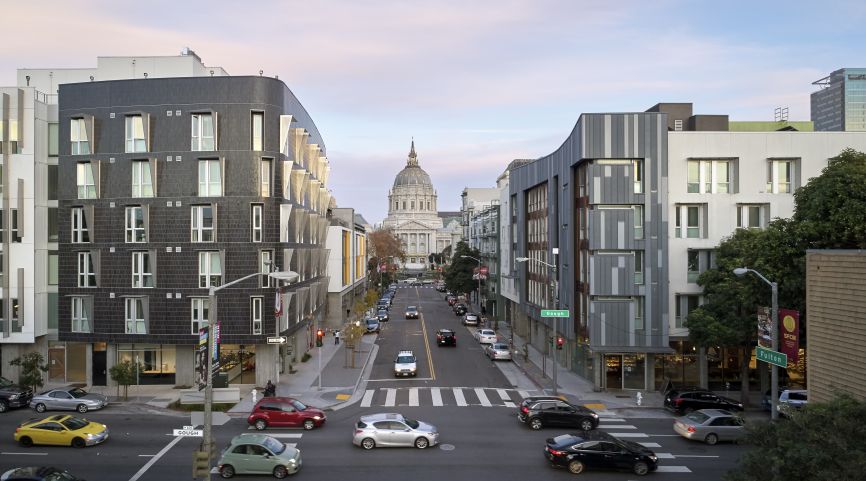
(40, 408)
(280, 472)
(586, 424)
(26, 441)
(535, 424)
(227, 471)
(422, 443)
(711, 439)
(260, 424)
(309, 424)
(78, 443)
(3, 407)
(368, 443)
(641, 468)
(82, 408)
(576, 467)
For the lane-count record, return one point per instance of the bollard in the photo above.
(254, 393)
(639, 398)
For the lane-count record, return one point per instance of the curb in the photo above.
(374, 351)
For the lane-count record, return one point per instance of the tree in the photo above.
(458, 276)
(384, 246)
(786, 450)
(125, 373)
(32, 366)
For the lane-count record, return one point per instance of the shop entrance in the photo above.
(625, 371)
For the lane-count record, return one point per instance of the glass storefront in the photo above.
(158, 361)
(238, 362)
(624, 371)
(680, 368)
(76, 362)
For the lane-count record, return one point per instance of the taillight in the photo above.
(524, 410)
(555, 452)
(690, 429)
(678, 401)
(359, 431)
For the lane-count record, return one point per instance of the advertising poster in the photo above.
(765, 328)
(201, 359)
(789, 328)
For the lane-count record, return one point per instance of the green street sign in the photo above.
(767, 355)
(554, 313)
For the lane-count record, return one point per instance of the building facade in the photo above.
(169, 187)
(472, 201)
(840, 102)
(347, 264)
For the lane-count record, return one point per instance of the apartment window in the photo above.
(638, 221)
(142, 181)
(256, 222)
(86, 271)
(135, 229)
(210, 271)
(780, 176)
(142, 270)
(203, 223)
(203, 138)
(53, 264)
(256, 308)
(685, 303)
(752, 216)
(637, 171)
(266, 258)
(638, 267)
(693, 266)
(265, 189)
(428, 205)
(78, 137)
(412, 204)
(200, 306)
(53, 227)
(15, 236)
(81, 309)
(136, 317)
(678, 125)
(209, 178)
(709, 177)
(404, 205)
(86, 179)
(688, 221)
(257, 140)
(52, 182)
(638, 313)
(80, 232)
(135, 134)
(53, 139)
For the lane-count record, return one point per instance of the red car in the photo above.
(285, 412)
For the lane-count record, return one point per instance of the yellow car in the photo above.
(61, 430)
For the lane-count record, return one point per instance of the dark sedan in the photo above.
(599, 450)
(446, 337)
(460, 309)
(686, 400)
(383, 316)
(555, 412)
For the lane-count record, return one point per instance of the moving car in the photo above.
(598, 449)
(383, 316)
(710, 426)
(556, 412)
(68, 398)
(452, 299)
(405, 364)
(485, 336)
(372, 324)
(61, 430)
(40, 473)
(412, 312)
(258, 454)
(460, 309)
(446, 337)
(498, 351)
(686, 400)
(13, 395)
(391, 429)
(285, 412)
(470, 319)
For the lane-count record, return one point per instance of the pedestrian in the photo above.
(483, 310)
(336, 336)
(270, 389)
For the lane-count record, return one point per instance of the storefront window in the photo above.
(238, 362)
(158, 362)
(633, 371)
(680, 368)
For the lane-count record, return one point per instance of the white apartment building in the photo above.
(473, 201)
(347, 264)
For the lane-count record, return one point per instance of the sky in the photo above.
(476, 83)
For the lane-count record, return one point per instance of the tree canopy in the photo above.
(458, 275)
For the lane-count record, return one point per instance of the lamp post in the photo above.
(774, 338)
(207, 435)
(555, 304)
(479, 279)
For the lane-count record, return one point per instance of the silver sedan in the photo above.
(391, 429)
(710, 426)
(498, 351)
(68, 398)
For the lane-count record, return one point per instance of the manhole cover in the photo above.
(446, 447)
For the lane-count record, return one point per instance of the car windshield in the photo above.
(298, 405)
(382, 312)
(60, 476)
(405, 359)
(412, 423)
(72, 423)
(77, 392)
(446, 333)
(411, 308)
(697, 417)
(372, 321)
(500, 346)
(273, 445)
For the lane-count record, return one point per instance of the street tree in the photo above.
(124, 374)
(458, 275)
(385, 247)
(786, 450)
(32, 366)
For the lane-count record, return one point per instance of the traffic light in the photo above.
(320, 337)
(201, 464)
(559, 342)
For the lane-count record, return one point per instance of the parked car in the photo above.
(383, 304)
(710, 426)
(13, 395)
(382, 315)
(40, 473)
(446, 337)
(68, 398)
(412, 312)
(791, 400)
(460, 309)
(547, 412)
(258, 454)
(485, 336)
(683, 401)
(391, 429)
(285, 412)
(61, 430)
(470, 319)
(372, 324)
(451, 300)
(598, 449)
(498, 351)
(405, 364)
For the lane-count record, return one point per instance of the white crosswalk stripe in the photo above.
(436, 396)
(390, 397)
(482, 398)
(506, 399)
(673, 469)
(616, 426)
(650, 445)
(368, 398)
(413, 396)
(458, 396)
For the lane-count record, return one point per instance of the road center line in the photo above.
(154, 459)
(26, 454)
(427, 347)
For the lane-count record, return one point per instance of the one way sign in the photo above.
(277, 340)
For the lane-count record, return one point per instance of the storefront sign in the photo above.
(789, 329)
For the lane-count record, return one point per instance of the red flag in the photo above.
(789, 334)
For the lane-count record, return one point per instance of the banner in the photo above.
(216, 348)
(765, 328)
(201, 359)
(789, 328)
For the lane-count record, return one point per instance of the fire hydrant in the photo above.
(254, 393)
(639, 398)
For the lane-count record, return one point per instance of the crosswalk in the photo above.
(443, 396)
(620, 428)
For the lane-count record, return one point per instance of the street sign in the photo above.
(277, 340)
(188, 432)
(554, 313)
(773, 357)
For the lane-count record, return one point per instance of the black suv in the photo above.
(460, 309)
(382, 315)
(13, 395)
(546, 411)
(597, 449)
(685, 400)
(446, 337)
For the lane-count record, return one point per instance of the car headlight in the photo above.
(317, 417)
(89, 435)
(595, 415)
(654, 458)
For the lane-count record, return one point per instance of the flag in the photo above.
(278, 304)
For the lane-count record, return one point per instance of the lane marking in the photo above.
(398, 379)
(413, 396)
(26, 454)
(146, 455)
(390, 396)
(368, 398)
(154, 459)
(595, 406)
(458, 396)
(506, 399)
(436, 394)
(617, 426)
(482, 397)
(665, 455)
(523, 394)
(694, 456)
(630, 435)
(342, 397)
(427, 347)
(650, 445)
(673, 469)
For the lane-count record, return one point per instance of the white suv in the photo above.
(405, 365)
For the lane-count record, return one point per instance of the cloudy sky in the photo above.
(477, 83)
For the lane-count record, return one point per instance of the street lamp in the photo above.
(555, 304)
(207, 435)
(774, 338)
(478, 296)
